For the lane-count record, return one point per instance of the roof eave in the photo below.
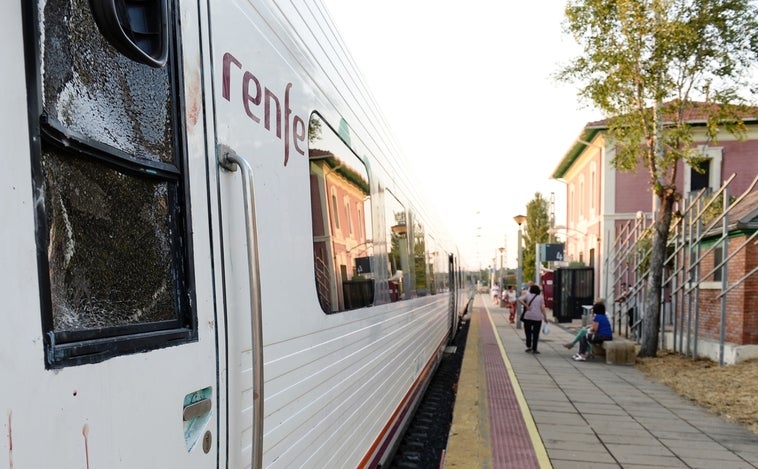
(580, 143)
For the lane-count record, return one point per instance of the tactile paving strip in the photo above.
(511, 444)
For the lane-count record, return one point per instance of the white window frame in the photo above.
(349, 220)
(582, 197)
(593, 188)
(335, 209)
(716, 156)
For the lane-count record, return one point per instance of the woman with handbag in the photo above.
(534, 314)
(598, 332)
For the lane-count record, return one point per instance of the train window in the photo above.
(113, 249)
(438, 267)
(342, 254)
(421, 260)
(397, 253)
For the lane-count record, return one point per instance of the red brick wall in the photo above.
(633, 188)
(633, 191)
(741, 302)
(740, 159)
(750, 314)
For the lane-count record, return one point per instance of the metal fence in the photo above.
(700, 229)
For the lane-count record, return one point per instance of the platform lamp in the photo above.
(520, 219)
(492, 272)
(501, 273)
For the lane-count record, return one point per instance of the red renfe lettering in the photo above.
(247, 99)
(253, 96)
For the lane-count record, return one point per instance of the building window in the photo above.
(699, 176)
(348, 218)
(335, 210)
(582, 197)
(707, 175)
(572, 204)
(359, 220)
(108, 165)
(593, 189)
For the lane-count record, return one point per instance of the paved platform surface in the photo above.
(515, 409)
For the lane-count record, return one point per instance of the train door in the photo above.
(107, 273)
(454, 295)
(247, 123)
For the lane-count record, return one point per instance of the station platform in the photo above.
(518, 410)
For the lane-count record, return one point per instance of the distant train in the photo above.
(212, 255)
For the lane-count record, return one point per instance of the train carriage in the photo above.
(213, 252)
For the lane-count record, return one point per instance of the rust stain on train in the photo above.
(195, 95)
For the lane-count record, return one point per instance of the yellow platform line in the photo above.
(534, 435)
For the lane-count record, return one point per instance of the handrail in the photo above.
(230, 160)
(686, 266)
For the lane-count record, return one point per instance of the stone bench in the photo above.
(619, 351)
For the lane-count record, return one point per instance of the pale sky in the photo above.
(477, 75)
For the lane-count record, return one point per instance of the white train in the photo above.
(212, 255)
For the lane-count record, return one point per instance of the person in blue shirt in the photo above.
(599, 331)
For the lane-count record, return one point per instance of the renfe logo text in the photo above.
(253, 95)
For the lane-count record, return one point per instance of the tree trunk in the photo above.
(652, 312)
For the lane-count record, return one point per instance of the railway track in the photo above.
(425, 440)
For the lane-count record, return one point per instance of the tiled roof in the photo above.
(745, 215)
(742, 217)
(697, 111)
(696, 114)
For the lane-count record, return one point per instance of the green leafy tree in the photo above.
(535, 232)
(654, 65)
(484, 276)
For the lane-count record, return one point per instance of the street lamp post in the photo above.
(502, 273)
(520, 219)
(492, 272)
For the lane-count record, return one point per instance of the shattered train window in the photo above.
(110, 189)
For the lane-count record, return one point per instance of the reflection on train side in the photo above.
(364, 257)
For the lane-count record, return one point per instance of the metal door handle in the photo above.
(196, 409)
(230, 160)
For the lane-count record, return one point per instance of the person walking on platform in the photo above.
(495, 295)
(511, 299)
(534, 314)
(598, 332)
